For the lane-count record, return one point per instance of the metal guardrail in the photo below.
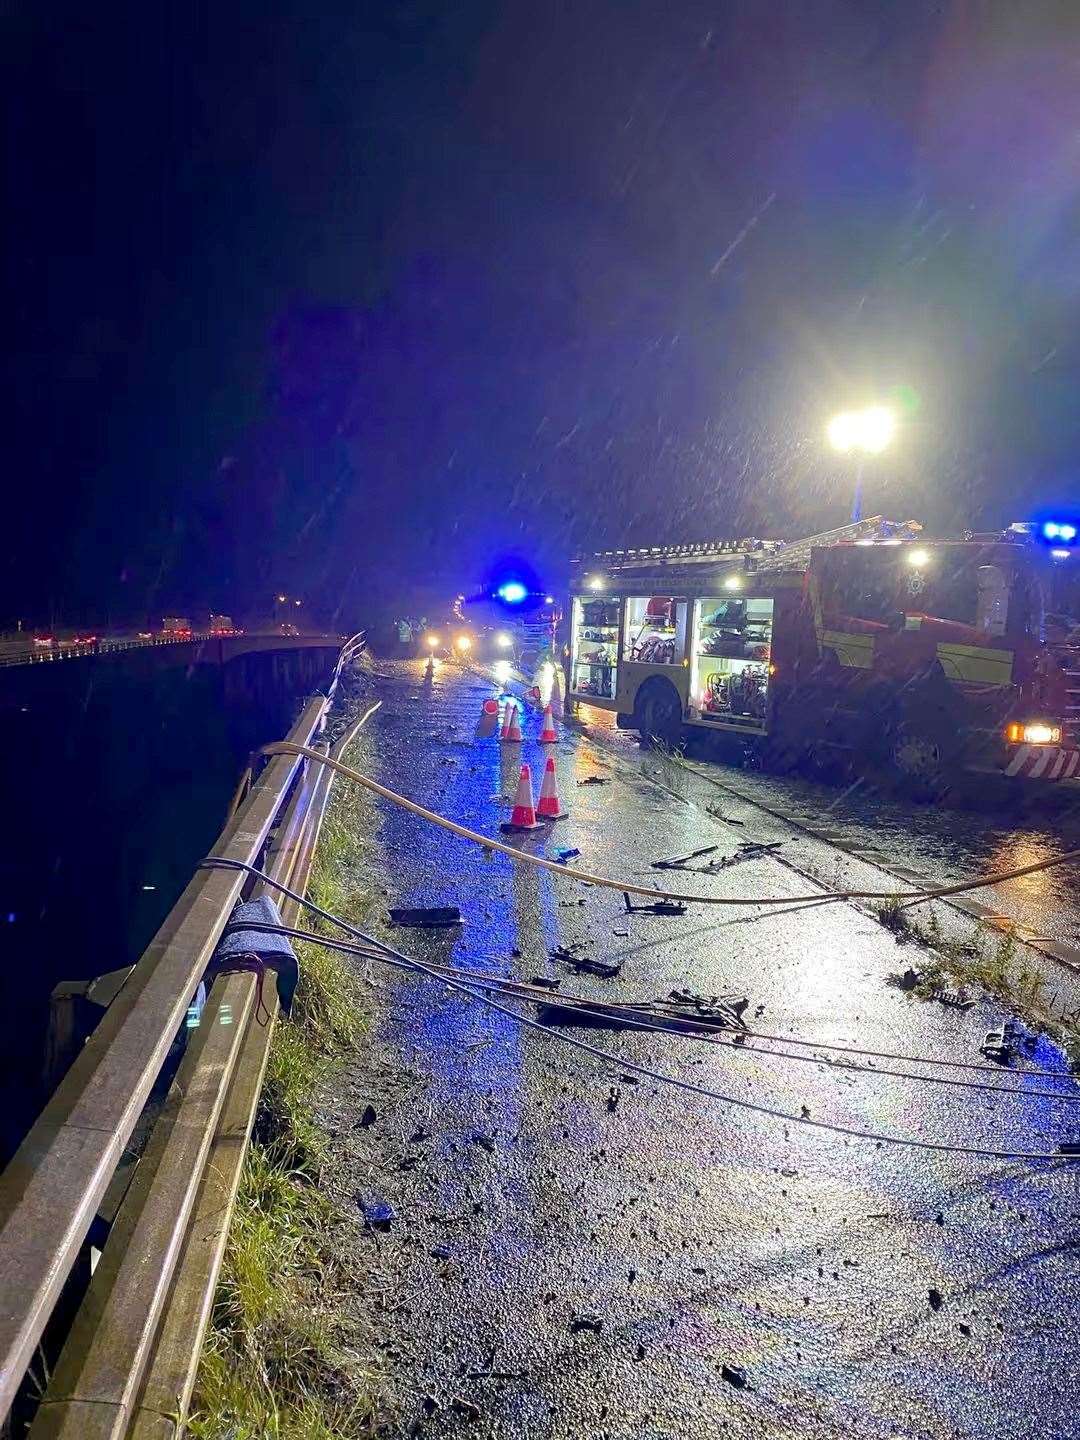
(128, 1364)
(33, 655)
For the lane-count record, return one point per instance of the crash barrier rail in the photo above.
(70, 650)
(128, 1364)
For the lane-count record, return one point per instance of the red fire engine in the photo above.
(870, 644)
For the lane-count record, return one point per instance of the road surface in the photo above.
(579, 1252)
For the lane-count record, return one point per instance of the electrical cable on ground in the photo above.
(609, 1057)
(718, 1038)
(541, 862)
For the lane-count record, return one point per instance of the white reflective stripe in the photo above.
(1040, 763)
(1074, 760)
(1015, 764)
(1059, 764)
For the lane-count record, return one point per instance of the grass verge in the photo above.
(281, 1360)
(990, 960)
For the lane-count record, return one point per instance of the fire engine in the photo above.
(871, 644)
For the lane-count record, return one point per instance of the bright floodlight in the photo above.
(869, 430)
(918, 558)
(513, 592)
(595, 582)
(463, 643)
(733, 582)
(503, 640)
(432, 640)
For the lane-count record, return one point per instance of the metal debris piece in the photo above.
(594, 780)
(997, 1046)
(658, 907)
(586, 1321)
(734, 1375)
(426, 917)
(681, 862)
(546, 982)
(368, 1118)
(568, 853)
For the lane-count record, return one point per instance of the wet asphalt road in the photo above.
(863, 1289)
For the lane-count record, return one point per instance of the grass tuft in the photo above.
(281, 1359)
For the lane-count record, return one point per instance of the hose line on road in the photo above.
(722, 1037)
(626, 887)
(610, 1057)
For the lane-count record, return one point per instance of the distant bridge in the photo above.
(184, 650)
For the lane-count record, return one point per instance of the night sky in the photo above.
(335, 298)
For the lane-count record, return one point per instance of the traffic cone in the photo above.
(523, 815)
(555, 700)
(511, 724)
(548, 806)
(547, 734)
(489, 720)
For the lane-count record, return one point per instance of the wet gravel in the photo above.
(546, 1245)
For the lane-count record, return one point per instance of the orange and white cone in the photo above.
(489, 720)
(523, 815)
(548, 806)
(555, 700)
(511, 724)
(548, 735)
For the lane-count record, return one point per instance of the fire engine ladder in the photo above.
(796, 556)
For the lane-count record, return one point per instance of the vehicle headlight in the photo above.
(1035, 732)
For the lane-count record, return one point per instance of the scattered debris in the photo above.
(998, 1045)
(378, 1214)
(681, 862)
(465, 1408)
(728, 1009)
(486, 1142)
(935, 1298)
(658, 907)
(565, 955)
(368, 1118)
(594, 780)
(426, 917)
(586, 1320)
(727, 819)
(440, 1252)
(805, 1112)
(568, 853)
(965, 1330)
(734, 1375)
(546, 982)
(613, 1099)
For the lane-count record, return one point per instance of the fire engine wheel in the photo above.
(658, 715)
(920, 759)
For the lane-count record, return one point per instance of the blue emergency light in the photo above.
(1063, 530)
(512, 591)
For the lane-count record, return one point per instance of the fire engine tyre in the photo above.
(658, 714)
(920, 758)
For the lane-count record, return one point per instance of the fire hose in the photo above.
(626, 887)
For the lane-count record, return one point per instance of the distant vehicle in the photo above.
(222, 625)
(176, 627)
(146, 634)
(44, 642)
(872, 644)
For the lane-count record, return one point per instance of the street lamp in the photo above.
(866, 432)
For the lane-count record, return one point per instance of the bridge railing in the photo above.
(130, 1356)
(12, 653)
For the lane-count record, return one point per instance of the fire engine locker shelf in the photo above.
(731, 658)
(594, 644)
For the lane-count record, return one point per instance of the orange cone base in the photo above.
(541, 817)
(509, 828)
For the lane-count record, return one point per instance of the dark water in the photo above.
(116, 781)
